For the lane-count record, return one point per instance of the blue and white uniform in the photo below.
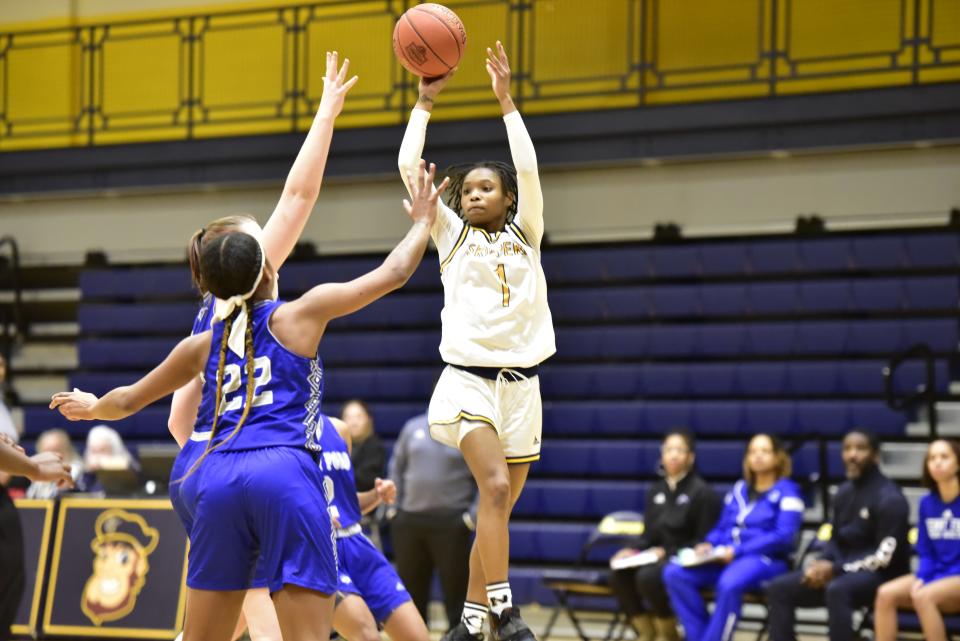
(938, 538)
(197, 442)
(762, 530)
(260, 496)
(363, 569)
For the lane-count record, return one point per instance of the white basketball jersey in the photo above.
(495, 311)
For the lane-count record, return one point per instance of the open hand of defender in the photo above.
(75, 405)
(424, 195)
(335, 85)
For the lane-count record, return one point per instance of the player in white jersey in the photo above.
(497, 329)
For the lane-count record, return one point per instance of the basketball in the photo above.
(429, 40)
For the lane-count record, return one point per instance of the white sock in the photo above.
(500, 597)
(474, 615)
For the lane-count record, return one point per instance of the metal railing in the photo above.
(259, 70)
(926, 394)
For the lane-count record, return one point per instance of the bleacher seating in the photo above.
(727, 337)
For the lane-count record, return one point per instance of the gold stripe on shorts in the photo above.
(468, 416)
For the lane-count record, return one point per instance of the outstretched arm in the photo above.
(183, 410)
(303, 182)
(530, 196)
(45, 466)
(300, 323)
(183, 364)
(285, 225)
(447, 225)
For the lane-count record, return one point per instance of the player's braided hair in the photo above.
(205, 235)
(230, 265)
(457, 174)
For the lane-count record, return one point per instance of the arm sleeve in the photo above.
(892, 513)
(447, 227)
(720, 533)
(530, 198)
(784, 533)
(925, 552)
(398, 460)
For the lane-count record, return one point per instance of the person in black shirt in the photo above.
(369, 457)
(680, 509)
(868, 546)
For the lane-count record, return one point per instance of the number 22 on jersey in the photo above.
(232, 375)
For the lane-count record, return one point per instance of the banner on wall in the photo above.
(36, 519)
(118, 570)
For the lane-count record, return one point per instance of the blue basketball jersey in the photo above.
(285, 410)
(204, 318)
(336, 465)
(202, 323)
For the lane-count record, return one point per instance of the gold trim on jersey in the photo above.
(486, 234)
(466, 415)
(516, 230)
(516, 460)
(456, 246)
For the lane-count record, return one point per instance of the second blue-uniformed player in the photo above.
(369, 592)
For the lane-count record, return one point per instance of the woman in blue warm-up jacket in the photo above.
(750, 544)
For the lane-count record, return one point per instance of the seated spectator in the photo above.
(58, 442)
(868, 546)
(369, 455)
(935, 588)
(750, 545)
(104, 450)
(680, 510)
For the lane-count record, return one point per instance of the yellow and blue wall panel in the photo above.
(36, 520)
(257, 68)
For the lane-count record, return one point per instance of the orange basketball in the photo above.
(429, 40)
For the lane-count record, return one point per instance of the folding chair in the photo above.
(583, 581)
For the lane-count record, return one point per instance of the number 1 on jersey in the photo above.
(502, 273)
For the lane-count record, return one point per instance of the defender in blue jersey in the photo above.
(257, 492)
(278, 237)
(935, 588)
(370, 591)
(750, 544)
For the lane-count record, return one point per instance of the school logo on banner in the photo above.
(118, 569)
(121, 550)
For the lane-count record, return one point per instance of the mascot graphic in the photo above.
(121, 549)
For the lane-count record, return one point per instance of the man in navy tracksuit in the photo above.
(752, 542)
(868, 547)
